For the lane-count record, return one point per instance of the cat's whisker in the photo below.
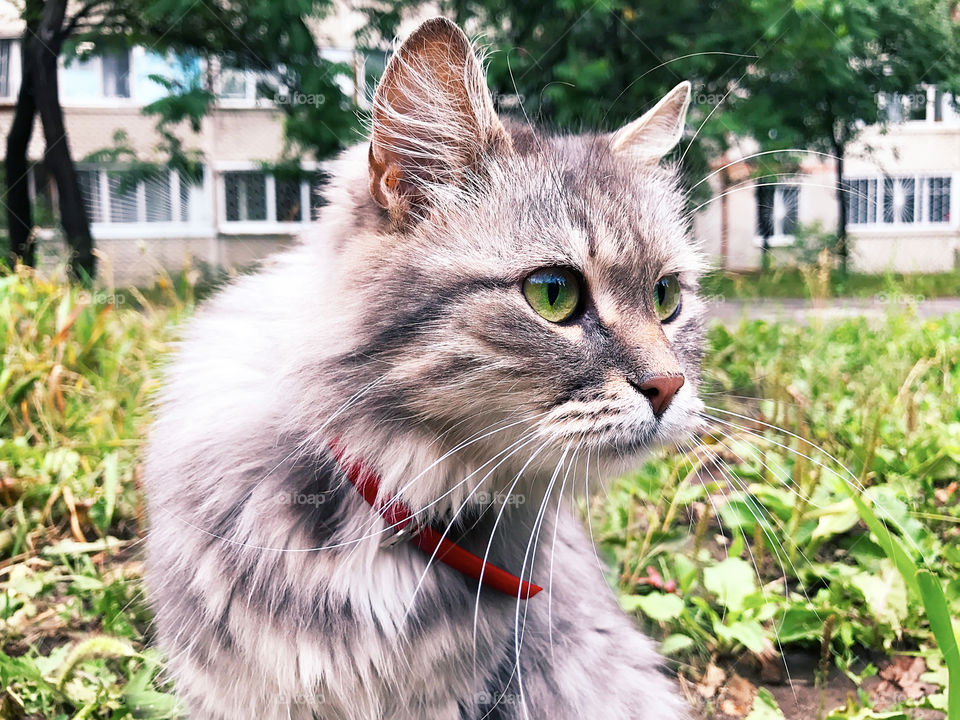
(377, 519)
(777, 548)
(530, 554)
(663, 65)
(853, 482)
(751, 156)
(760, 455)
(756, 510)
(553, 547)
(493, 532)
(752, 185)
(516, 447)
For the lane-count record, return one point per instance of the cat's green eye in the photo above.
(666, 297)
(554, 293)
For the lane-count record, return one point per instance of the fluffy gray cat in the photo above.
(486, 319)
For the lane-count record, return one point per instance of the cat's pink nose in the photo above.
(659, 390)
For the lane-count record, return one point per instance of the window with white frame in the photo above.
(927, 104)
(105, 76)
(6, 58)
(258, 196)
(115, 73)
(778, 209)
(904, 200)
(241, 87)
(113, 197)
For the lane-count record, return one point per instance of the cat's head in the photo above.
(516, 277)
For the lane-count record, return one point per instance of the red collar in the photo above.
(399, 517)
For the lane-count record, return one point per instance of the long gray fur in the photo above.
(399, 326)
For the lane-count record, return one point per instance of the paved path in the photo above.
(798, 310)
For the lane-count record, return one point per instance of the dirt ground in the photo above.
(797, 692)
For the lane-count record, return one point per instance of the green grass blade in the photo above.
(890, 543)
(938, 615)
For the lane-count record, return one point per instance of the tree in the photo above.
(263, 35)
(586, 64)
(800, 74)
(823, 64)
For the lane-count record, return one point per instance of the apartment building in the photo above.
(902, 184)
(902, 179)
(237, 214)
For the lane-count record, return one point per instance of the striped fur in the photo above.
(400, 327)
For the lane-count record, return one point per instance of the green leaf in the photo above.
(748, 633)
(885, 594)
(656, 606)
(890, 543)
(765, 707)
(731, 580)
(836, 519)
(675, 643)
(938, 615)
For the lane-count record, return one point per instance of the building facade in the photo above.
(902, 189)
(902, 180)
(237, 213)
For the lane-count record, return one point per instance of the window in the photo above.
(96, 77)
(777, 210)
(6, 53)
(246, 195)
(114, 197)
(861, 201)
(938, 199)
(317, 182)
(90, 191)
(115, 70)
(123, 198)
(905, 200)
(234, 84)
(899, 200)
(289, 200)
(258, 196)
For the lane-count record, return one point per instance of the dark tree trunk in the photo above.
(843, 246)
(42, 56)
(19, 208)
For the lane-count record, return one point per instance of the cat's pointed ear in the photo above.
(433, 118)
(658, 131)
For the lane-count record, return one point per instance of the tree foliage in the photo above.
(802, 74)
(272, 38)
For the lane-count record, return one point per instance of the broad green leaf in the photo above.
(765, 707)
(675, 643)
(885, 594)
(656, 606)
(731, 580)
(748, 633)
(836, 519)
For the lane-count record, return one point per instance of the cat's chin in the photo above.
(623, 451)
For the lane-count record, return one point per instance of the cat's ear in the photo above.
(433, 118)
(658, 131)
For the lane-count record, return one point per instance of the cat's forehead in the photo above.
(567, 201)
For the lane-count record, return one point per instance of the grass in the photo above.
(773, 543)
(735, 551)
(807, 282)
(78, 368)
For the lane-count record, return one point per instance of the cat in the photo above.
(487, 318)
